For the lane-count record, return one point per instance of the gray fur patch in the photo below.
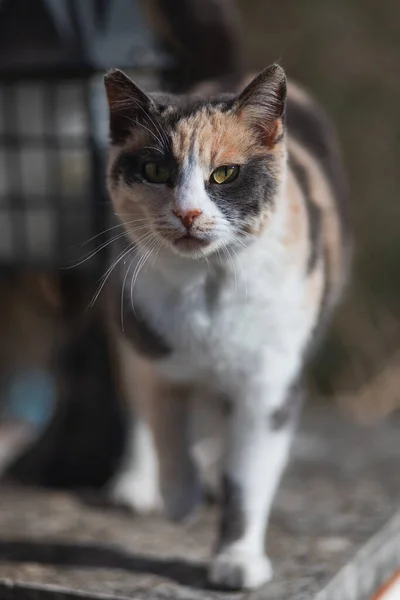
(314, 213)
(139, 332)
(142, 336)
(288, 413)
(232, 524)
(309, 124)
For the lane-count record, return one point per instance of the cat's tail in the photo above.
(201, 36)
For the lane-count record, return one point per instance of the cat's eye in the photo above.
(224, 174)
(155, 172)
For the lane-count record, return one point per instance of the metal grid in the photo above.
(52, 141)
(54, 125)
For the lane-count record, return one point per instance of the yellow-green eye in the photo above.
(224, 174)
(156, 172)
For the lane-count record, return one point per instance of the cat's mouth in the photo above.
(190, 242)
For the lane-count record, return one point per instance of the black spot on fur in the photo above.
(140, 333)
(249, 192)
(232, 525)
(214, 283)
(119, 132)
(313, 212)
(129, 165)
(290, 409)
(324, 315)
(310, 126)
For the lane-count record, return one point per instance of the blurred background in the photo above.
(348, 55)
(57, 379)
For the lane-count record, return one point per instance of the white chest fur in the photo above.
(225, 323)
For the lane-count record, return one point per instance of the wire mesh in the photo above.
(54, 124)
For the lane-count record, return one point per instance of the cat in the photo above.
(235, 253)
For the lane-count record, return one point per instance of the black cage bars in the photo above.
(54, 121)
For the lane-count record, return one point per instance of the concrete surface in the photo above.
(334, 534)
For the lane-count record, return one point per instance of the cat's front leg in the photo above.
(256, 453)
(179, 479)
(157, 469)
(136, 482)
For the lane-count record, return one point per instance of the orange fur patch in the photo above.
(296, 226)
(219, 138)
(324, 198)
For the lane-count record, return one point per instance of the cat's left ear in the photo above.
(127, 103)
(263, 101)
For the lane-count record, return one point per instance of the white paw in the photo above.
(239, 570)
(141, 494)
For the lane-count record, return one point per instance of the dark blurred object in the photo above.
(53, 138)
(54, 121)
(95, 35)
(29, 312)
(201, 36)
(84, 440)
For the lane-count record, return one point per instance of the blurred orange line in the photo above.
(387, 586)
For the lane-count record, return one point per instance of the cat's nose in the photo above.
(187, 216)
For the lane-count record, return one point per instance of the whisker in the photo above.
(153, 148)
(105, 244)
(122, 293)
(158, 252)
(137, 271)
(92, 254)
(108, 272)
(204, 256)
(157, 124)
(110, 229)
(155, 246)
(160, 141)
(225, 249)
(130, 214)
(124, 104)
(99, 234)
(149, 253)
(239, 243)
(243, 273)
(243, 233)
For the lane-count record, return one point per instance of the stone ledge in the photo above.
(334, 533)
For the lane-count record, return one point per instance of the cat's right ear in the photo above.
(263, 101)
(126, 101)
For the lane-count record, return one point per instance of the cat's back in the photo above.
(314, 161)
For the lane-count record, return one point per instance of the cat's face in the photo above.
(196, 175)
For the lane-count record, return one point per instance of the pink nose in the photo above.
(188, 216)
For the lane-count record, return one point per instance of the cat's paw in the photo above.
(140, 494)
(236, 570)
(181, 501)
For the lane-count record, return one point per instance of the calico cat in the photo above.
(235, 254)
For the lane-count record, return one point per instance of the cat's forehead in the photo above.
(210, 130)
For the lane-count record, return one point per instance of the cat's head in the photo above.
(197, 175)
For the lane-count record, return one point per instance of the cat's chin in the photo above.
(191, 246)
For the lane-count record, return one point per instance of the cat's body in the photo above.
(224, 292)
